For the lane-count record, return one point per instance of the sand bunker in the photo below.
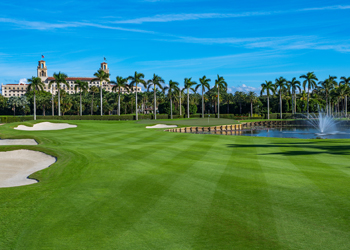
(8, 142)
(162, 126)
(46, 126)
(17, 165)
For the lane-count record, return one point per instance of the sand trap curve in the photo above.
(46, 126)
(162, 126)
(17, 165)
(8, 142)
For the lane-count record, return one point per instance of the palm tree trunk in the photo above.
(52, 103)
(308, 96)
(180, 105)
(251, 109)
(218, 103)
(119, 103)
(188, 103)
(295, 103)
(292, 104)
(59, 103)
(268, 107)
(44, 110)
(155, 103)
(171, 108)
(202, 102)
(81, 109)
(14, 110)
(137, 117)
(92, 104)
(280, 105)
(346, 106)
(101, 97)
(34, 106)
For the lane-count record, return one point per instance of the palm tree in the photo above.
(251, 96)
(181, 93)
(310, 82)
(280, 84)
(188, 83)
(35, 83)
(101, 76)
(326, 86)
(267, 86)
(172, 89)
(155, 82)
(345, 81)
(60, 78)
(294, 84)
(16, 101)
(118, 85)
(342, 92)
(93, 90)
(136, 79)
(220, 83)
(83, 87)
(240, 97)
(204, 83)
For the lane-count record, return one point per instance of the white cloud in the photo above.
(23, 80)
(277, 43)
(244, 88)
(197, 16)
(49, 26)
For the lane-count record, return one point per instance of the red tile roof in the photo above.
(16, 84)
(74, 78)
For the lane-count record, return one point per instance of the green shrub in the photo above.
(9, 119)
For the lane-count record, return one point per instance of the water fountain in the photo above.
(324, 123)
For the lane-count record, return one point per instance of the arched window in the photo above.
(42, 65)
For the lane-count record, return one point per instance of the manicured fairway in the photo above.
(191, 122)
(117, 185)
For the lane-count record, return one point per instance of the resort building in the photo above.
(20, 89)
(9, 90)
(42, 73)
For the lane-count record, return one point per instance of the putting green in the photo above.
(117, 185)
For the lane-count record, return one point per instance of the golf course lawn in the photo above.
(191, 122)
(117, 185)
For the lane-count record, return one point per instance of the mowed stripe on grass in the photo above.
(117, 185)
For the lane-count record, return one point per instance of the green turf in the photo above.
(117, 185)
(191, 122)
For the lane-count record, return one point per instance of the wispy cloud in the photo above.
(197, 16)
(49, 26)
(276, 43)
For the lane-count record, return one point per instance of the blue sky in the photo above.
(247, 42)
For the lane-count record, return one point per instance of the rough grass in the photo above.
(117, 185)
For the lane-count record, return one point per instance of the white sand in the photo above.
(162, 126)
(17, 165)
(7, 142)
(46, 126)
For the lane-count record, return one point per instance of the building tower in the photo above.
(104, 67)
(42, 70)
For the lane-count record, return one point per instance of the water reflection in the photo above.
(302, 132)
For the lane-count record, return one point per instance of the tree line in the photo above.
(292, 96)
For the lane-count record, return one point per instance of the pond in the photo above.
(301, 132)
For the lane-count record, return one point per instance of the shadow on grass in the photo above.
(302, 148)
